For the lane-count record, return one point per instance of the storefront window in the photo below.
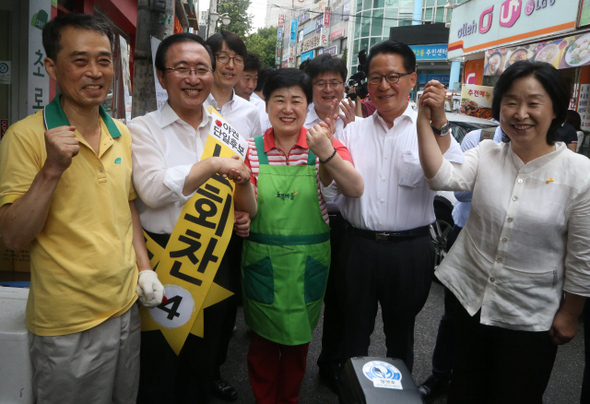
(440, 15)
(392, 3)
(427, 14)
(375, 41)
(390, 19)
(357, 25)
(119, 98)
(377, 27)
(366, 23)
(364, 44)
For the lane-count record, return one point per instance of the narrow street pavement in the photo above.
(564, 386)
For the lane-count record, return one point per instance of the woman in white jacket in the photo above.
(521, 265)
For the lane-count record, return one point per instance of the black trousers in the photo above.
(443, 356)
(333, 326)
(496, 365)
(188, 377)
(397, 274)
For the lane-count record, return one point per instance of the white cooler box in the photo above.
(16, 370)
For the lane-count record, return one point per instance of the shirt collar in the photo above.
(408, 113)
(212, 101)
(54, 116)
(312, 116)
(169, 116)
(269, 140)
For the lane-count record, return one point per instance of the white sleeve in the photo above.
(453, 176)
(156, 184)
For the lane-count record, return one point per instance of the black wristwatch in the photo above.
(443, 131)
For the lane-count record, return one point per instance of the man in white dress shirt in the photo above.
(328, 75)
(167, 170)
(230, 53)
(387, 255)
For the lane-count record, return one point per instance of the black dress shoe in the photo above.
(330, 376)
(433, 387)
(224, 391)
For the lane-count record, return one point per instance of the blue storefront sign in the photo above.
(293, 30)
(430, 52)
(425, 78)
(307, 56)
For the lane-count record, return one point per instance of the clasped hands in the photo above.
(431, 106)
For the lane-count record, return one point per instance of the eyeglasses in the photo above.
(185, 71)
(225, 58)
(323, 84)
(391, 78)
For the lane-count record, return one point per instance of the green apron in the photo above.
(285, 259)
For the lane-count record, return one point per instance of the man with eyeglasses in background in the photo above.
(167, 149)
(230, 54)
(327, 75)
(387, 255)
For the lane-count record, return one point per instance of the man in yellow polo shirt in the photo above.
(66, 192)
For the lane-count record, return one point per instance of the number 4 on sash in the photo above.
(173, 311)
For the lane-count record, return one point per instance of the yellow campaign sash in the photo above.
(188, 264)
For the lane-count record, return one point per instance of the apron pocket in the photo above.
(316, 275)
(259, 281)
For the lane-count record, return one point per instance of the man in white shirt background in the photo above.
(257, 95)
(246, 87)
(247, 83)
(387, 255)
(230, 54)
(328, 76)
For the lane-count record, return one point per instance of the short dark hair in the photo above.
(326, 64)
(52, 30)
(282, 78)
(252, 62)
(303, 65)
(233, 42)
(162, 52)
(551, 81)
(399, 48)
(262, 75)
(574, 119)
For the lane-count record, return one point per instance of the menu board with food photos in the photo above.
(477, 101)
(562, 53)
(583, 109)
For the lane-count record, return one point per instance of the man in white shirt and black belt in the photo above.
(387, 255)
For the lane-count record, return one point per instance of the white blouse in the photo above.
(527, 238)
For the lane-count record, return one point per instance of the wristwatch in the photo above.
(443, 131)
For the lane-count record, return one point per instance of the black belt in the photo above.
(386, 236)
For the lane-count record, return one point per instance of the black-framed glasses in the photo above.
(323, 83)
(392, 78)
(185, 71)
(225, 58)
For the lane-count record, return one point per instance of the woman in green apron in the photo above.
(285, 260)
